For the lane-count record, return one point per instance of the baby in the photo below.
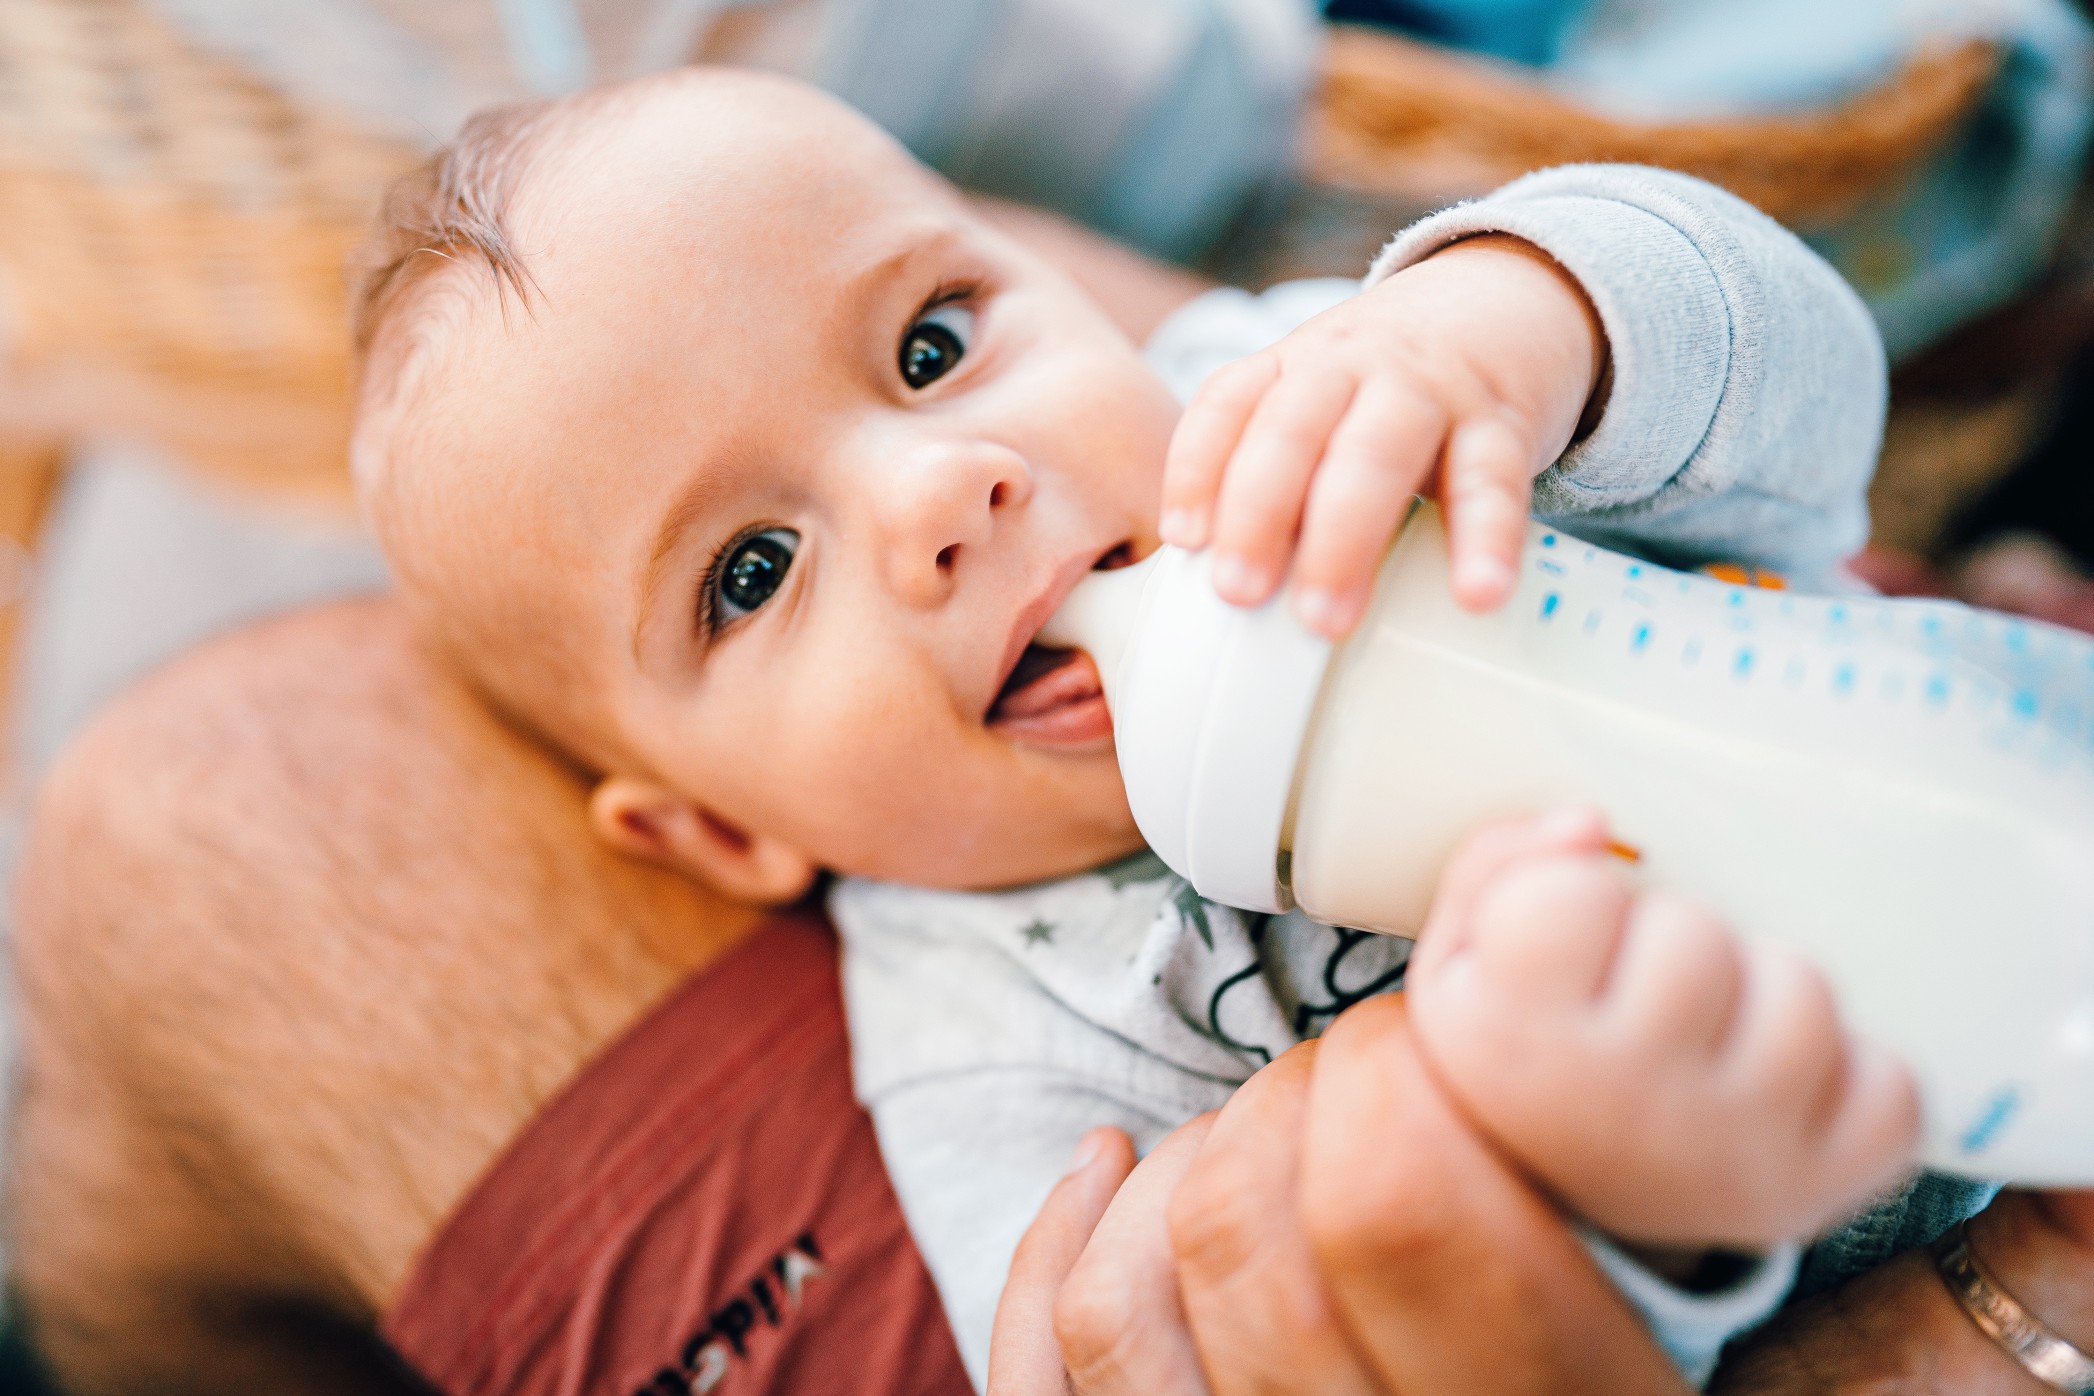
(750, 473)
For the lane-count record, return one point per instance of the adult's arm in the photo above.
(1137, 291)
(303, 938)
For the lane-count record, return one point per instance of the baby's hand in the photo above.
(1670, 1083)
(1467, 373)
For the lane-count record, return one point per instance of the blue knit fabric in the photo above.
(1912, 1216)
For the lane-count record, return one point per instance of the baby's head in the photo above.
(727, 448)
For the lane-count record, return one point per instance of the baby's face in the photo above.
(798, 454)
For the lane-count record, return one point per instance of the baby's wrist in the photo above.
(1555, 311)
(1693, 1269)
(1694, 1324)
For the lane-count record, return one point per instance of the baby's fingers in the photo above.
(1485, 489)
(1201, 447)
(1378, 457)
(1268, 478)
(1877, 1123)
(1483, 857)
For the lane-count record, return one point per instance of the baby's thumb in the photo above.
(1485, 856)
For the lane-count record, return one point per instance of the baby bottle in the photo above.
(1901, 791)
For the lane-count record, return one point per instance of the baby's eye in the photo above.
(935, 345)
(750, 572)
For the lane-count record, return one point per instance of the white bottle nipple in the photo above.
(1209, 705)
(1100, 617)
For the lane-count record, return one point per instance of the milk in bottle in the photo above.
(1902, 791)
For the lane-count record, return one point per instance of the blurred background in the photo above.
(181, 182)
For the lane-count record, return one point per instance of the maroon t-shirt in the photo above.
(702, 1209)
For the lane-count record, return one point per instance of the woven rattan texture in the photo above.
(173, 236)
(165, 208)
(1404, 119)
(174, 231)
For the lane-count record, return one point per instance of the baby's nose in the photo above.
(943, 503)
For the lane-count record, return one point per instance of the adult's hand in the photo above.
(1451, 1271)
(1337, 1228)
(1897, 1330)
(1096, 1267)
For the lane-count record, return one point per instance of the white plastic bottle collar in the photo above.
(1210, 705)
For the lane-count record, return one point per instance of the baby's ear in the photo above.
(646, 821)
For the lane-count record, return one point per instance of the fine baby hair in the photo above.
(1901, 791)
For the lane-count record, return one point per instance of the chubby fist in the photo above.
(1670, 1083)
(1466, 374)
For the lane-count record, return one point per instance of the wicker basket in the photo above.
(1422, 124)
(173, 231)
(173, 236)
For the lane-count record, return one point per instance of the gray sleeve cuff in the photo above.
(1749, 381)
(1667, 323)
(1692, 1328)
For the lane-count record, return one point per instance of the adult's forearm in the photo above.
(1898, 1330)
(1137, 291)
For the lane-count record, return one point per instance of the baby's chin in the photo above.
(1086, 829)
(1057, 816)
(1045, 863)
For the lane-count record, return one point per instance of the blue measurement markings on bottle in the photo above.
(2028, 687)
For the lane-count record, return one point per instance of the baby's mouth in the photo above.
(1052, 698)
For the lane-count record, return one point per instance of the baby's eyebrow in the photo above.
(700, 497)
(863, 286)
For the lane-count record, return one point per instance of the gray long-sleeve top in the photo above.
(1749, 383)
(991, 1030)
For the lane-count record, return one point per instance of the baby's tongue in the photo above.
(1045, 681)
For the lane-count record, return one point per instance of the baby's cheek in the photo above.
(877, 773)
(1111, 419)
